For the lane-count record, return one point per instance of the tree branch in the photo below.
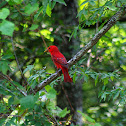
(18, 61)
(20, 67)
(9, 80)
(84, 50)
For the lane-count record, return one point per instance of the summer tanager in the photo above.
(60, 61)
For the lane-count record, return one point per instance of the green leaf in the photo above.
(86, 77)
(112, 78)
(103, 95)
(103, 87)
(4, 13)
(3, 3)
(92, 2)
(2, 92)
(11, 100)
(122, 101)
(29, 9)
(38, 13)
(48, 10)
(18, 1)
(7, 27)
(45, 3)
(19, 86)
(2, 108)
(96, 79)
(8, 56)
(29, 67)
(36, 96)
(16, 101)
(51, 94)
(74, 33)
(33, 77)
(82, 12)
(5, 68)
(74, 76)
(32, 83)
(63, 113)
(61, 2)
(88, 22)
(53, 4)
(51, 105)
(84, 2)
(47, 88)
(113, 8)
(93, 75)
(86, 117)
(27, 102)
(116, 94)
(105, 80)
(33, 27)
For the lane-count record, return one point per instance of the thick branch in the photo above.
(84, 50)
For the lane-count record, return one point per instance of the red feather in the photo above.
(60, 61)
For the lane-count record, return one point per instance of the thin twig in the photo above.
(68, 98)
(5, 77)
(51, 118)
(6, 115)
(43, 39)
(19, 66)
(17, 60)
(69, 101)
(8, 90)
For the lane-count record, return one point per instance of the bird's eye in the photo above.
(49, 47)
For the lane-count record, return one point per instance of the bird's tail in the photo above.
(66, 75)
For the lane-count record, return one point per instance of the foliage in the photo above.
(23, 22)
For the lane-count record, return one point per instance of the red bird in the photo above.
(60, 61)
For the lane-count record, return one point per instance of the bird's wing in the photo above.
(60, 60)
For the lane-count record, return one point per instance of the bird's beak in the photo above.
(46, 50)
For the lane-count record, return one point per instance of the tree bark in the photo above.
(70, 95)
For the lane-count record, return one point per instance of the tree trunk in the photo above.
(70, 95)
